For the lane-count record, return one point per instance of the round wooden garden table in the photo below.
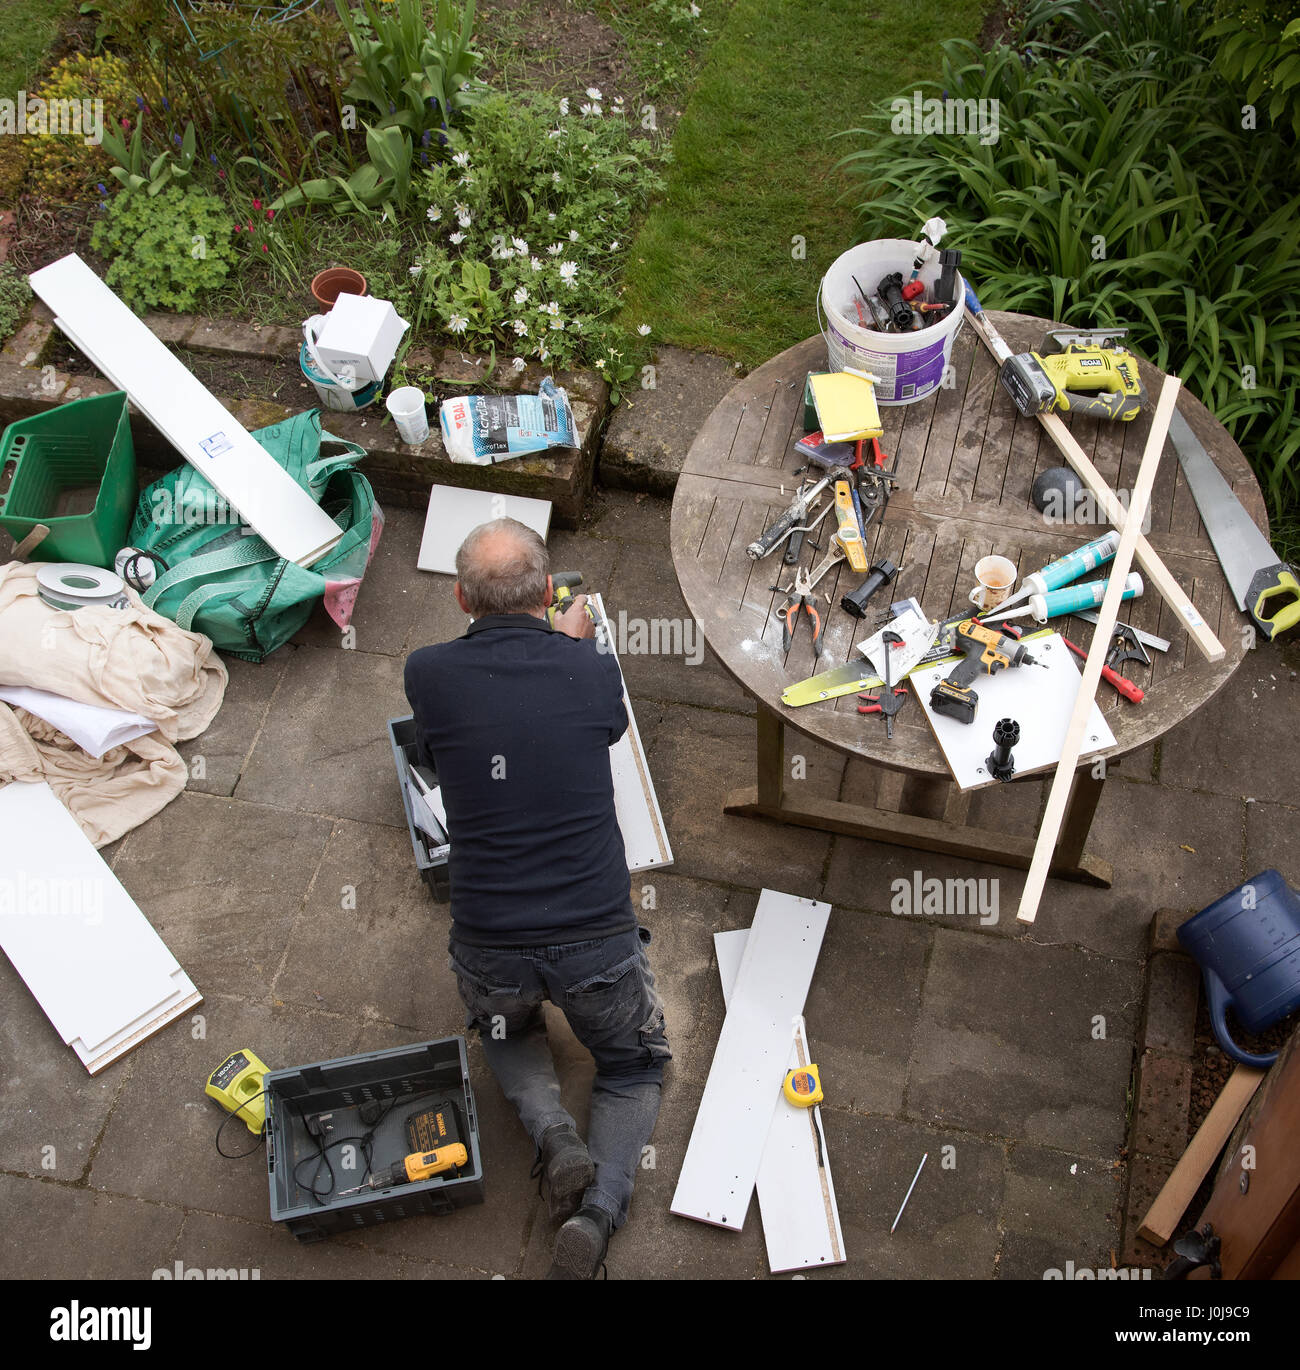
(966, 461)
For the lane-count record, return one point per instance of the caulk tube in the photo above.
(1067, 568)
(1086, 596)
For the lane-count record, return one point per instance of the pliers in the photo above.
(801, 597)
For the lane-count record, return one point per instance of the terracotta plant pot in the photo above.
(327, 286)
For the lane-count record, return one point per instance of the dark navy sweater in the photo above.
(517, 721)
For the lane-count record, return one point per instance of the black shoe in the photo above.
(565, 1168)
(581, 1245)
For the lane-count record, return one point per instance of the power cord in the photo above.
(261, 1136)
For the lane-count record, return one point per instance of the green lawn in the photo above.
(754, 158)
(26, 32)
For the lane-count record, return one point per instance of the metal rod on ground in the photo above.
(1063, 780)
(910, 1187)
(1157, 572)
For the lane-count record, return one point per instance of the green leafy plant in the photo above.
(385, 180)
(63, 164)
(1259, 51)
(172, 166)
(416, 74)
(1117, 192)
(527, 228)
(15, 296)
(165, 250)
(265, 76)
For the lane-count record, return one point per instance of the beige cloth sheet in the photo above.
(118, 658)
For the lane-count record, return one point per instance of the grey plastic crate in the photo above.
(422, 1074)
(433, 869)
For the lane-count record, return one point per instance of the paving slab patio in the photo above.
(283, 882)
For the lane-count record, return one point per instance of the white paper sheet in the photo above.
(93, 728)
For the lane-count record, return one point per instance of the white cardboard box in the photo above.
(360, 333)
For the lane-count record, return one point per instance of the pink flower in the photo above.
(270, 214)
(263, 247)
(239, 228)
(249, 227)
(257, 204)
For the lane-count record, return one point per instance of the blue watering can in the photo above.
(1247, 945)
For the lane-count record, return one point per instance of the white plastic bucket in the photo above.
(333, 391)
(910, 366)
(406, 405)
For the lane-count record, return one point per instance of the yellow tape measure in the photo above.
(803, 1087)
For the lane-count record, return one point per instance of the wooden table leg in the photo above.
(769, 799)
(1084, 798)
(771, 758)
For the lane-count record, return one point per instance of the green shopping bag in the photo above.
(218, 577)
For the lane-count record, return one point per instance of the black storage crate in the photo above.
(433, 869)
(423, 1073)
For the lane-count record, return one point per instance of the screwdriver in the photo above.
(1126, 687)
(419, 1165)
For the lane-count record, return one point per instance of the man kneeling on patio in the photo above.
(517, 719)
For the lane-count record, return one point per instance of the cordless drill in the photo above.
(985, 651)
(563, 584)
(417, 1166)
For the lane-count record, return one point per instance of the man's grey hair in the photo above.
(507, 579)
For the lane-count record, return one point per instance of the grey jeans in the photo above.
(606, 991)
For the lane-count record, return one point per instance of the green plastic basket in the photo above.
(72, 469)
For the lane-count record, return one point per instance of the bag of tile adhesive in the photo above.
(212, 574)
(482, 429)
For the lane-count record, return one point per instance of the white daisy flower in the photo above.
(461, 159)
(414, 269)
(556, 133)
(465, 180)
(573, 235)
(643, 329)
(459, 209)
(555, 176)
(464, 220)
(519, 363)
(458, 323)
(458, 238)
(520, 327)
(536, 265)
(568, 270)
(695, 11)
(433, 214)
(521, 295)
(594, 94)
(557, 323)
(542, 353)
(521, 247)
(551, 308)
(613, 247)
(564, 105)
(555, 249)
(592, 110)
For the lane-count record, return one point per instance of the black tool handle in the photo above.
(882, 573)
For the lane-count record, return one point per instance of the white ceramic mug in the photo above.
(997, 578)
